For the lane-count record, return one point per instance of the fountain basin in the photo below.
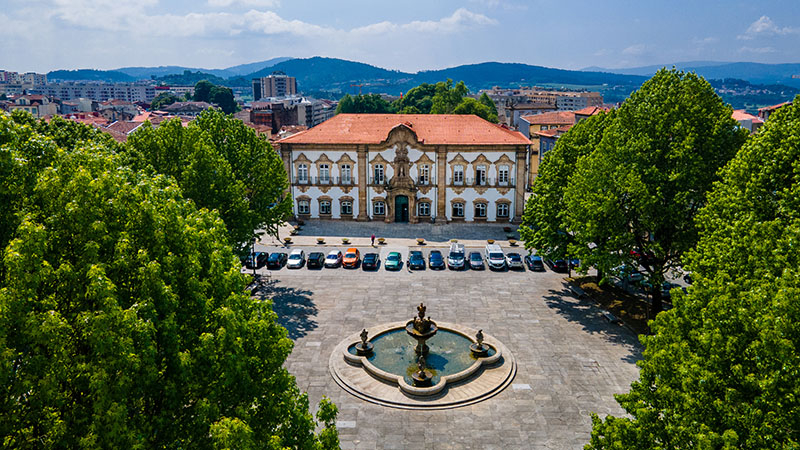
(394, 359)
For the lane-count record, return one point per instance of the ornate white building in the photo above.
(407, 168)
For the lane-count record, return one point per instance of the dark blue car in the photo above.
(535, 263)
(436, 260)
(416, 261)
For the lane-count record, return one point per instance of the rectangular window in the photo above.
(345, 169)
(458, 210)
(302, 173)
(480, 175)
(424, 209)
(502, 174)
(378, 169)
(324, 173)
(502, 210)
(378, 208)
(480, 209)
(424, 174)
(347, 208)
(303, 207)
(458, 174)
(324, 207)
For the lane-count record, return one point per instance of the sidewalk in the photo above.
(402, 234)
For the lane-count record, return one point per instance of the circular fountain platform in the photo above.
(385, 377)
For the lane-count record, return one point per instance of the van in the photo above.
(456, 259)
(494, 256)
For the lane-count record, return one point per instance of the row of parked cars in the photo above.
(457, 258)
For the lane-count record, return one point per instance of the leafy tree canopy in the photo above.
(223, 97)
(221, 164)
(641, 186)
(471, 106)
(418, 99)
(447, 97)
(364, 104)
(124, 322)
(721, 369)
(202, 91)
(164, 99)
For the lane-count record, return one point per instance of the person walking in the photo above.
(373, 240)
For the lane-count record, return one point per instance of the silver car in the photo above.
(296, 259)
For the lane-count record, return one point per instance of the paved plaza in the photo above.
(570, 360)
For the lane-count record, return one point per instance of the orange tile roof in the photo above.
(741, 114)
(551, 118)
(554, 131)
(774, 107)
(431, 129)
(590, 110)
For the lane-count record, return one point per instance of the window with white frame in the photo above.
(302, 173)
(346, 174)
(347, 208)
(379, 208)
(324, 207)
(458, 209)
(502, 210)
(324, 173)
(502, 174)
(424, 209)
(303, 207)
(424, 174)
(480, 210)
(378, 170)
(480, 175)
(458, 174)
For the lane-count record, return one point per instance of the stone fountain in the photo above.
(441, 366)
(421, 328)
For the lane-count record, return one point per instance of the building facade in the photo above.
(99, 92)
(407, 168)
(278, 84)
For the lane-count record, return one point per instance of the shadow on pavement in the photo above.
(294, 307)
(589, 316)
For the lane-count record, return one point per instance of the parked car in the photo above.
(416, 260)
(495, 258)
(687, 278)
(296, 259)
(558, 265)
(371, 261)
(574, 263)
(256, 260)
(534, 262)
(628, 274)
(456, 257)
(315, 260)
(436, 260)
(394, 261)
(514, 261)
(476, 261)
(276, 260)
(352, 257)
(334, 259)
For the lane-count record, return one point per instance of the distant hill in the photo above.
(753, 72)
(145, 73)
(109, 76)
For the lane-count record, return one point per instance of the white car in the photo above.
(334, 259)
(514, 261)
(495, 258)
(296, 259)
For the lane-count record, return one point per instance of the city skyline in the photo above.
(105, 34)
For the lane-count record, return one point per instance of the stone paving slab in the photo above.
(572, 359)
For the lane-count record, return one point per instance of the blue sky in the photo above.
(42, 35)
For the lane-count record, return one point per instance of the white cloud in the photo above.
(759, 50)
(635, 50)
(705, 41)
(764, 26)
(461, 19)
(247, 3)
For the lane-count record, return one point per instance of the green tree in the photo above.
(469, 105)
(644, 182)
(544, 222)
(448, 97)
(124, 322)
(163, 99)
(364, 104)
(721, 369)
(418, 99)
(488, 102)
(223, 97)
(221, 164)
(202, 91)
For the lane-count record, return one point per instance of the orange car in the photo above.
(351, 258)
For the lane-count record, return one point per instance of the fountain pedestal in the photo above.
(421, 328)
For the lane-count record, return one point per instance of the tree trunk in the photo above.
(657, 304)
(599, 277)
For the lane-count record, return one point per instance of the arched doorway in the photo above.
(401, 208)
